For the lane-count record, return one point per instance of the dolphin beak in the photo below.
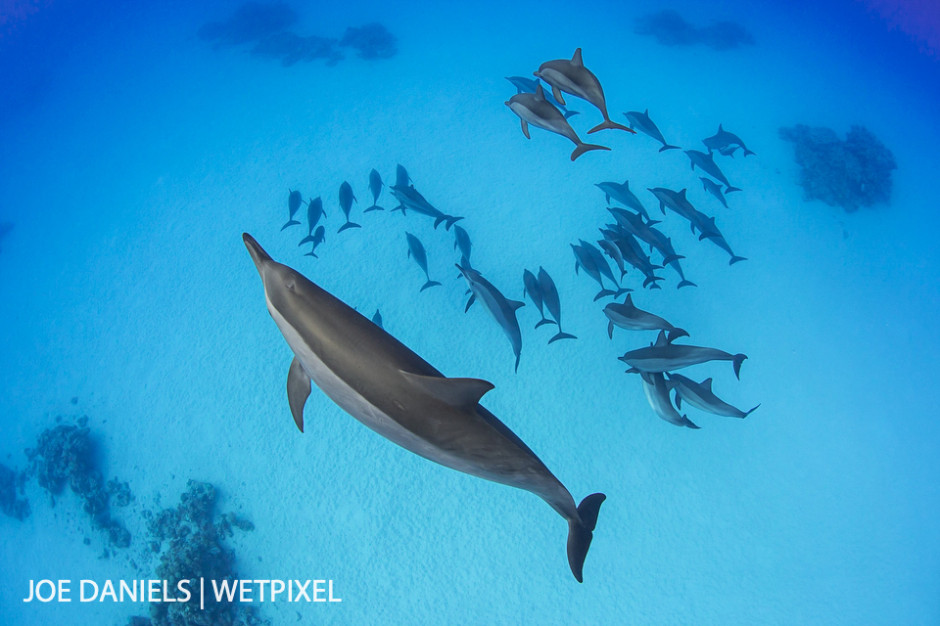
(258, 255)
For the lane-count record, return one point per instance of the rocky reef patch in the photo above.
(850, 173)
(669, 28)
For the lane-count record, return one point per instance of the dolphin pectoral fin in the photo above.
(515, 304)
(581, 532)
(469, 303)
(736, 362)
(525, 128)
(457, 392)
(556, 92)
(298, 390)
(610, 330)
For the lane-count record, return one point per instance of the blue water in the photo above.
(133, 156)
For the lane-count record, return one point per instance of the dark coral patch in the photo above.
(373, 41)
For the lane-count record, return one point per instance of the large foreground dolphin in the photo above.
(393, 391)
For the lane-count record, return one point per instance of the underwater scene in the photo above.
(470, 313)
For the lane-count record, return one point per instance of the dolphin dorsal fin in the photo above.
(457, 392)
(707, 383)
(646, 112)
(682, 193)
(661, 340)
(576, 59)
(515, 304)
(539, 92)
(629, 301)
(626, 185)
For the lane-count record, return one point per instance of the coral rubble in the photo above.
(11, 483)
(195, 548)
(65, 455)
(671, 29)
(851, 174)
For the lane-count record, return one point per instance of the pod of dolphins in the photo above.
(392, 390)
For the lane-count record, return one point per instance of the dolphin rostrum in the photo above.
(665, 356)
(416, 250)
(700, 396)
(643, 123)
(572, 77)
(500, 307)
(379, 381)
(533, 108)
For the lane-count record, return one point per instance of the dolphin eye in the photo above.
(290, 285)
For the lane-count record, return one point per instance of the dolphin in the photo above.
(632, 253)
(416, 250)
(678, 202)
(533, 108)
(572, 77)
(316, 239)
(715, 236)
(714, 189)
(584, 259)
(725, 143)
(314, 213)
(706, 163)
(409, 198)
(552, 303)
(634, 224)
(375, 186)
(293, 204)
(601, 264)
(383, 384)
(532, 289)
(611, 250)
(656, 390)
(527, 85)
(377, 319)
(664, 356)
(462, 242)
(700, 396)
(623, 195)
(402, 179)
(627, 316)
(500, 307)
(644, 124)
(346, 198)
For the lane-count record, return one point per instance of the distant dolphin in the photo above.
(700, 396)
(536, 110)
(657, 394)
(725, 143)
(623, 195)
(314, 213)
(316, 239)
(632, 253)
(409, 199)
(375, 186)
(611, 250)
(706, 163)
(501, 308)
(346, 198)
(552, 303)
(293, 204)
(665, 356)
(678, 202)
(643, 123)
(715, 236)
(416, 251)
(627, 316)
(527, 85)
(601, 264)
(584, 259)
(714, 189)
(572, 77)
(379, 381)
(634, 224)
(532, 289)
(462, 242)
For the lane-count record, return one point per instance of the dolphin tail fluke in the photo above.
(687, 422)
(747, 152)
(544, 321)
(348, 225)
(736, 364)
(290, 223)
(306, 239)
(374, 207)
(686, 283)
(735, 259)
(581, 532)
(561, 335)
(450, 221)
(609, 124)
(751, 411)
(622, 291)
(570, 113)
(430, 283)
(586, 147)
(729, 189)
(602, 293)
(668, 147)
(675, 333)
